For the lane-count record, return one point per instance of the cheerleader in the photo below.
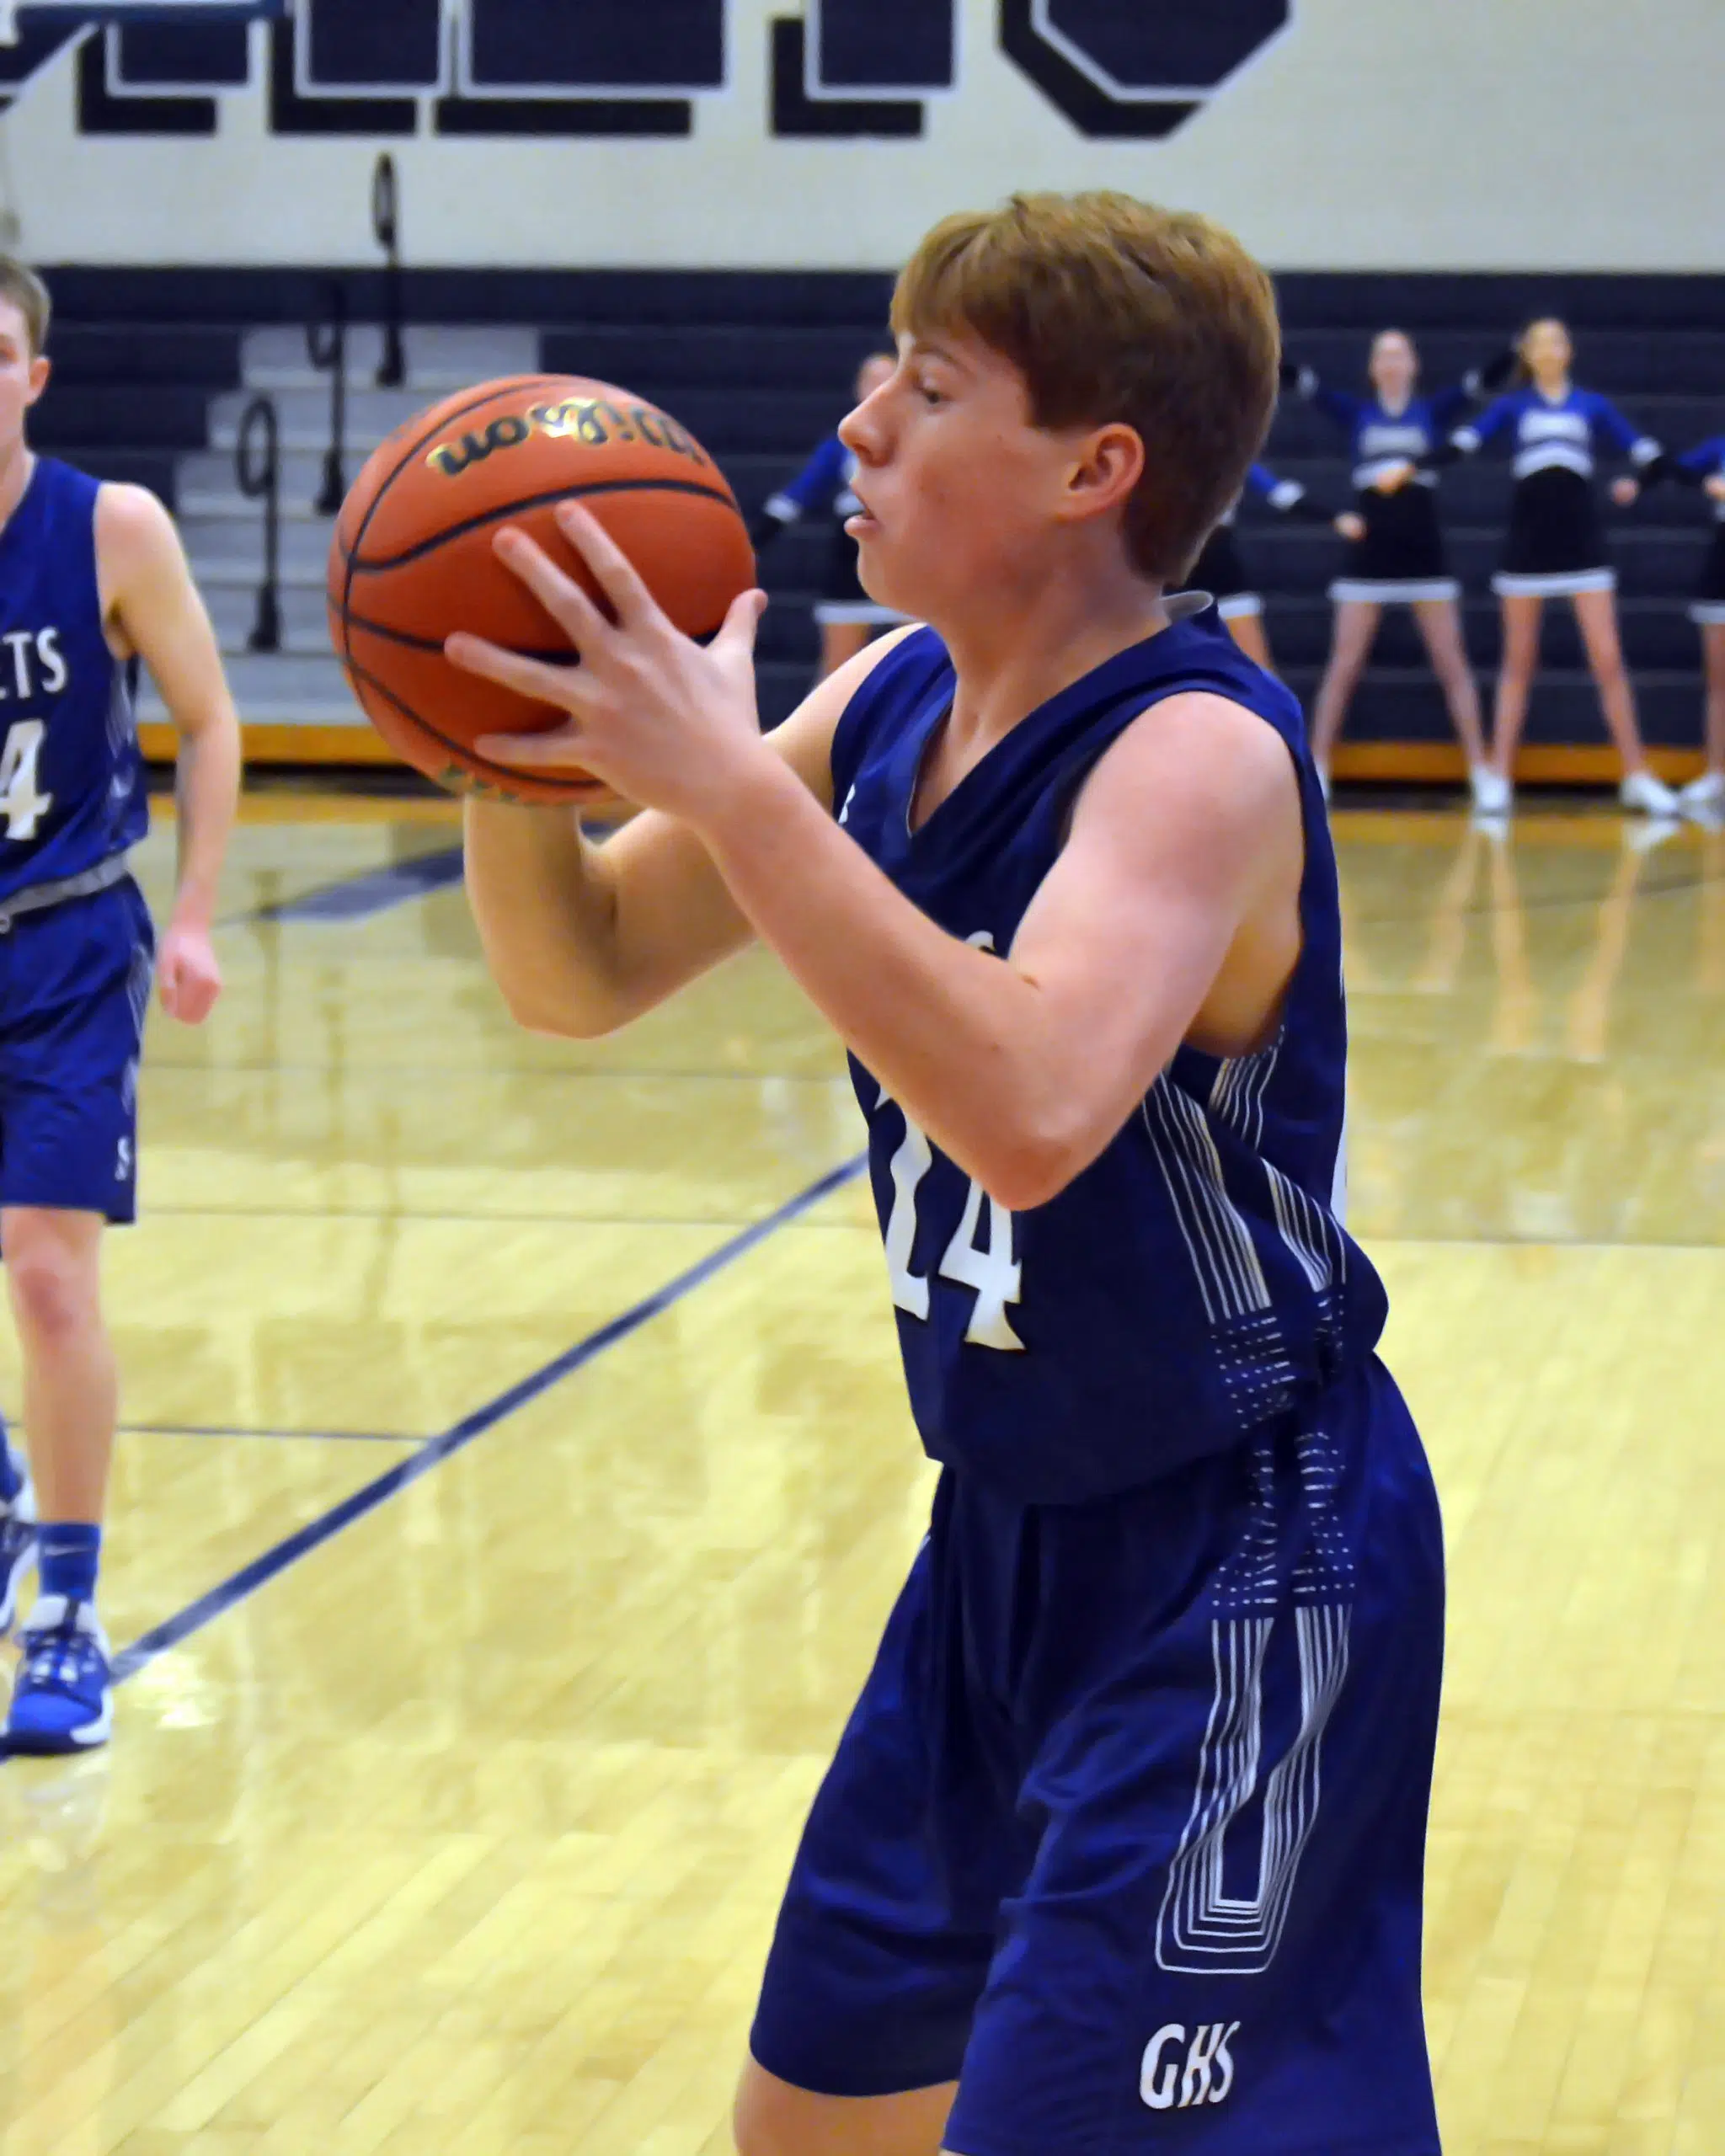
(849, 618)
(1220, 571)
(1396, 553)
(1556, 548)
(1704, 466)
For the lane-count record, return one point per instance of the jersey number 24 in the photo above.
(21, 802)
(987, 1266)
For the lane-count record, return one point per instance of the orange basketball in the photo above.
(412, 557)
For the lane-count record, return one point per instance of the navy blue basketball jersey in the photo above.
(72, 783)
(1193, 1284)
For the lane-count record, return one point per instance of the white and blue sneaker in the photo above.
(18, 1546)
(63, 1699)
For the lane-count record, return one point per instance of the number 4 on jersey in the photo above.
(989, 1268)
(20, 802)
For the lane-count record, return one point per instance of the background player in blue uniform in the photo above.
(1122, 1849)
(1704, 466)
(1396, 545)
(1556, 548)
(91, 578)
(848, 619)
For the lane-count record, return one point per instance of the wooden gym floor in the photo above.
(516, 1475)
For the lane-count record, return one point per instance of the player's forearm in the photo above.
(547, 917)
(207, 790)
(962, 1042)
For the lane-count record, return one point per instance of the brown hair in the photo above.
(1112, 309)
(24, 289)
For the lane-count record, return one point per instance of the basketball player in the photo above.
(1121, 1850)
(1556, 548)
(91, 578)
(848, 619)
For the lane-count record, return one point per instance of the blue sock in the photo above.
(10, 1467)
(68, 1553)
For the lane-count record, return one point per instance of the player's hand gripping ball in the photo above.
(413, 559)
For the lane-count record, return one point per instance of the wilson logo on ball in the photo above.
(595, 421)
(412, 559)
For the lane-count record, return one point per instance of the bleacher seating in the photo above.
(152, 367)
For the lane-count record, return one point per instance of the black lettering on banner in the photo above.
(385, 45)
(592, 47)
(103, 109)
(794, 115)
(880, 48)
(355, 111)
(160, 59)
(839, 69)
(1138, 71)
(36, 44)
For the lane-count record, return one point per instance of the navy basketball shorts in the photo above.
(1126, 1835)
(74, 987)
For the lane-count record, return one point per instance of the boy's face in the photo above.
(963, 495)
(23, 378)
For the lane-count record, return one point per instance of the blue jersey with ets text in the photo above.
(72, 781)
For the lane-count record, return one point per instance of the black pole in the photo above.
(259, 429)
(326, 342)
(386, 224)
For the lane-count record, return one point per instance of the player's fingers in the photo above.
(555, 589)
(513, 669)
(615, 573)
(741, 621)
(560, 749)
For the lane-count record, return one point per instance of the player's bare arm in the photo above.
(582, 938)
(1173, 903)
(153, 610)
(1172, 910)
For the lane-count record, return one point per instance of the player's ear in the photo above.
(1108, 464)
(40, 369)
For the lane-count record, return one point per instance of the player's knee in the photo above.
(753, 2128)
(770, 2118)
(53, 1291)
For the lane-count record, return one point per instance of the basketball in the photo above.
(412, 558)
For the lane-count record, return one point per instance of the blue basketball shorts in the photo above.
(74, 987)
(1126, 1835)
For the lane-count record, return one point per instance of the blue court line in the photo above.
(223, 1597)
(373, 890)
(243, 1430)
